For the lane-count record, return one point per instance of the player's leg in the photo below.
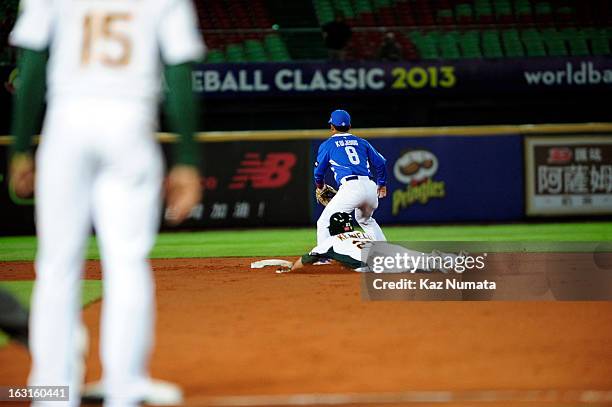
(346, 200)
(126, 216)
(363, 214)
(63, 182)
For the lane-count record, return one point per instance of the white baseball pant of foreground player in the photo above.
(99, 163)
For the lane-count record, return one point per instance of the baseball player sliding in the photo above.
(349, 157)
(346, 246)
(98, 162)
(343, 245)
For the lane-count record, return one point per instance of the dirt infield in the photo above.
(226, 330)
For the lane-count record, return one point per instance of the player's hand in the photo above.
(282, 270)
(382, 192)
(22, 175)
(183, 192)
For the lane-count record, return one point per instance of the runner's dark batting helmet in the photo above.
(340, 222)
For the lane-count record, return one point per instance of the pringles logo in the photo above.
(416, 169)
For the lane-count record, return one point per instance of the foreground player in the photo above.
(99, 163)
(349, 157)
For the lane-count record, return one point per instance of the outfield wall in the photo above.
(442, 174)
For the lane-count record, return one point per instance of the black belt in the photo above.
(354, 177)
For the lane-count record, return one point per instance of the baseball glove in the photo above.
(325, 194)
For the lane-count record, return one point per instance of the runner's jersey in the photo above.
(344, 247)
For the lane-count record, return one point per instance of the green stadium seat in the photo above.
(255, 51)
(444, 12)
(425, 44)
(600, 43)
(543, 8)
(491, 45)
(554, 42)
(464, 11)
(363, 6)
(235, 53)
(276, 48)
(325, 11)
(382, 3)
(512, 43)
(483, 11)
(565, 10)
(345, 7)
(470, 45)
(502, 8)
(577, 41)
(522, 8)
(449, 47)
(534, 46)
(215, 56)
(482, 4)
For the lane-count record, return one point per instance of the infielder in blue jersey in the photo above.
(349, 157)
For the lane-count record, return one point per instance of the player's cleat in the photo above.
(157, 393)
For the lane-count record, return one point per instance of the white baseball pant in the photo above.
(98, 163)
(360, 195)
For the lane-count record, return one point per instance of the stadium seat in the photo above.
(444, 28)
(425, 45)
(345, 7)
(532, 40)
(378, 4)
(324, 10)
(600, 43)
(445, 17)
(363, 6)
(543, 12)
(554, 42)
(255, 51)
(483, 11)
(565, 14)
(464, 13)
(503, 11)
(523, 11)
(277, 50)
(235, 53)
(577, 41)
(449, 47)
(214, 56)
(470, 44)
(512, 43)
(491, 45)
(528, 28)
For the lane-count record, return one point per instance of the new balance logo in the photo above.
(274, 171)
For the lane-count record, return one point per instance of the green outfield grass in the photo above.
(291, 242)
(22, 291)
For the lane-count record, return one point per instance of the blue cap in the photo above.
(340, 118)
